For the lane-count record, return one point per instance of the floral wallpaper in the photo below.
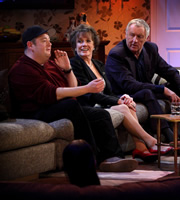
(108, 17)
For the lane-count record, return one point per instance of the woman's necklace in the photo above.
(94, 70)
(91, 64)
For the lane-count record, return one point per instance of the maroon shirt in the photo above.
(32, 85)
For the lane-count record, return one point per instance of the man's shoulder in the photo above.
(118, 49)
(18, 64)
(149, 44)
(25, 65)
(120, 46)
(24, 60)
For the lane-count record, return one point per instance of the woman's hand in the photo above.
(62, 60)
(126, 99)
(96, 86)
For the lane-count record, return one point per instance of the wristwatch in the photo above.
(67, 71)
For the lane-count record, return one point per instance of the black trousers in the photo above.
(150, 100)
(91, 124)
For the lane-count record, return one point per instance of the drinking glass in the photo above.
(175, 108)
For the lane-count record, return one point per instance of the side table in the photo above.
(174, 119)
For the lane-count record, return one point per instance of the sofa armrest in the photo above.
(63, 129)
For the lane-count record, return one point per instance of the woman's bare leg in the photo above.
(131, 123)
(134, 114)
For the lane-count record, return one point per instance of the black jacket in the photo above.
(85, 75)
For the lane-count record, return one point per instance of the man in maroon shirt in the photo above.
(46, 90)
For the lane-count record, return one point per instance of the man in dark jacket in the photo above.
(132, 63)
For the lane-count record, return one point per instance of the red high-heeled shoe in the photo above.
(145, 155)
(164, 149)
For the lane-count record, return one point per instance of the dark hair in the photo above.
(84, 28)
(80, 164)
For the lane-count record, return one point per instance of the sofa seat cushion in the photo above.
(27, 161)
(18, 133)
(63, 129)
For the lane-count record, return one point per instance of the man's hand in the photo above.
(171, 95)
(95, 86)
(62, 59)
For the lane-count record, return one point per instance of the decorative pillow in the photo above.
(159, 80)
(4, 95)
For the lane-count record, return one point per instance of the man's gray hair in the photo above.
(139, 23)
